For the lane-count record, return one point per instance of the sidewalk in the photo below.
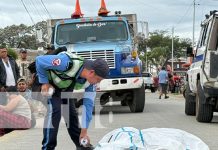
(31, 139)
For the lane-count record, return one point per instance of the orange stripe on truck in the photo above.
(136, 80)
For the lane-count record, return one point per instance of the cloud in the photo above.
(161, 15)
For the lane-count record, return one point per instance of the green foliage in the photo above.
(159, 39)
(12, 53)
(158, 55)
(160, 44)
(22, 36)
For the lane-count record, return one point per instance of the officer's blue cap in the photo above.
(99, 65)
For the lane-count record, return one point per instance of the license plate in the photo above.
(129, 70)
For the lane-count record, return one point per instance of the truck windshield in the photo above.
(91, 31)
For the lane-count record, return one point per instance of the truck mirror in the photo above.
(189, 51)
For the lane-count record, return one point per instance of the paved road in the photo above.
(158, 113)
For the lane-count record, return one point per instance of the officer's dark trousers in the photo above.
(52, 120)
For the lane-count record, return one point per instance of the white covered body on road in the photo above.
(128, 138)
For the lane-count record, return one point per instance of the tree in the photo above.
(12, 53)
(22, 36)
(13, 35)
(160, 43)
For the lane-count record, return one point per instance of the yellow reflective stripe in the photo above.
(76, 64)
(73, 70)
(55, 78)
(60, 83)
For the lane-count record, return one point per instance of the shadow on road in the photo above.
(112, 108)
(215, 118)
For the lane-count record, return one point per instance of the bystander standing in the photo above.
(163, 81)
(9, 73)
(23, 63)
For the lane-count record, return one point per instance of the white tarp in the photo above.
(128, 138)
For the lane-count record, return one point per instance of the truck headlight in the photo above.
(130, 70)
(127, 70)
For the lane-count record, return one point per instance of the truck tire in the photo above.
(204, 111)
(104, 99)
(137, 101)
(123, 103)
(190, 105)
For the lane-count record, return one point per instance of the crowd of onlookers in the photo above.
(176, 83)
(17, 107)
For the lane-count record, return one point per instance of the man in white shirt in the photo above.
(9, 73)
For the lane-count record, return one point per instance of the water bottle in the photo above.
(50, 91)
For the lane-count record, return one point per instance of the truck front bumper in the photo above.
(120, 84)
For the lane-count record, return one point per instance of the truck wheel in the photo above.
(137, 101)
(204, 112)
(123, 103)
(184, 92)
(104, 99)
(190, 105)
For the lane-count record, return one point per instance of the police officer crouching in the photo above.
(66, 72)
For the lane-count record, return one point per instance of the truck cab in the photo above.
(108, 38)
(202, 87)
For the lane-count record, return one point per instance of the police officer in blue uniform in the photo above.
(64, 73)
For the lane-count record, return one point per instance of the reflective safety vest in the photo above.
(66, 79)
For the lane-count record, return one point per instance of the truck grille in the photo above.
(107, 55)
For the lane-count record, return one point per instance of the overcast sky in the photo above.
(160, 14)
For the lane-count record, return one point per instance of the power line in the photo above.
(181, 19)
(36, 9)
(45, 12)
(46, 9)
(28, 12)
(202, 9)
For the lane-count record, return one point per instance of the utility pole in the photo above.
(172, 48)
(144, 31)
(146, 58)
(193, 34)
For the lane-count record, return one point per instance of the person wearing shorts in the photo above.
(163, 78)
